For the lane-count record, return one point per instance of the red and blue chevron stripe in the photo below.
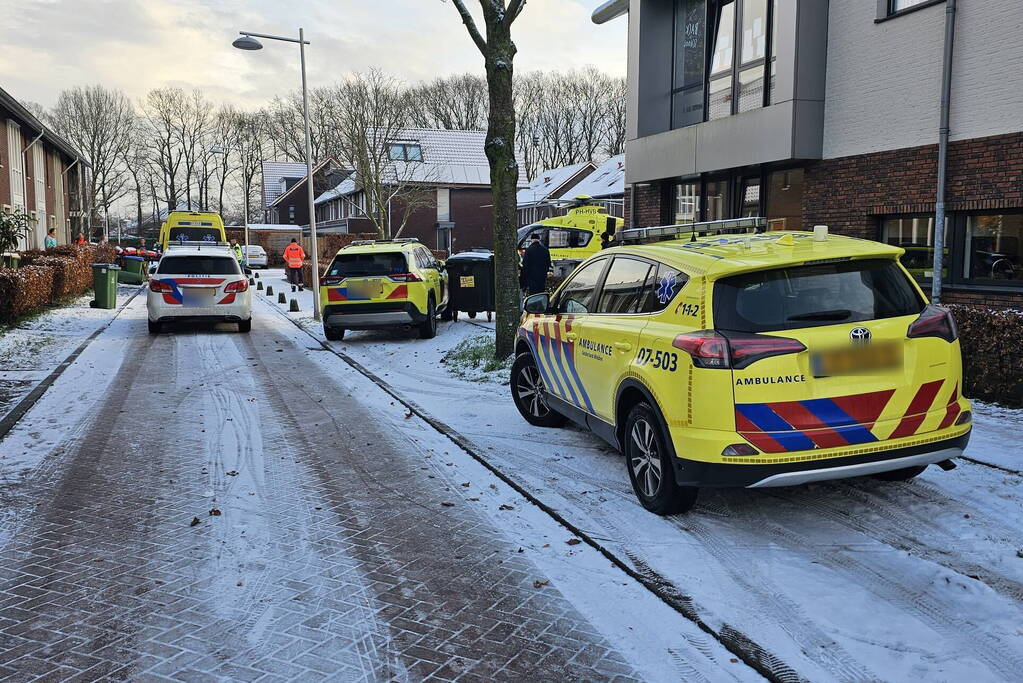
(785, 426)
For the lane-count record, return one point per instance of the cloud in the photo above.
(138, 45)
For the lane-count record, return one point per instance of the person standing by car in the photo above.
(293, 257)
(536, 262)
(237, 249)
(51, 238)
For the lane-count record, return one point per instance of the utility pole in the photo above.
(943, 133)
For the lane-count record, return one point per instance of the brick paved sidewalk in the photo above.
(332, 556)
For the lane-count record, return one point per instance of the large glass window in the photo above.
(750, 197)
(690, 62)
(915, 234)
(993, 247)
(718, 200)
(687, 202)
(785, 199)
(899, 5)
(722, 57)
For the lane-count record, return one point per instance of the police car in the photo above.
(198, 281)
(374, 284)
(752, 360)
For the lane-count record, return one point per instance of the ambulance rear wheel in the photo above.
(428, 329)
(333, 333)
(905, 474)
(651, 470)
(530, 393)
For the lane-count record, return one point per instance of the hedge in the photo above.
(992, 345)
(48, 277)
(23, 290)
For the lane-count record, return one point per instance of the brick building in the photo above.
(289, 202)
(816, 112)
(450, 166)
(40, 173)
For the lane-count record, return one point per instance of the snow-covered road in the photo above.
(211, 505)
(851, 580)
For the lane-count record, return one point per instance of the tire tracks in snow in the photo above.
(742, 646)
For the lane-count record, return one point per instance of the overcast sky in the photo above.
(137, 45)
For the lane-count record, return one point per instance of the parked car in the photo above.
(373, 284)
(746, 360)
(199, 283)
(255, 256)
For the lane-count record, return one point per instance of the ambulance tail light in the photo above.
(935, 321)
(160, 287)
(710, 349)
(405, 277)
(237, 286)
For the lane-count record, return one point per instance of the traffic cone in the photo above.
(256, 275)
(294, 306)
(269, 291)
(259, 285)
(281, 299)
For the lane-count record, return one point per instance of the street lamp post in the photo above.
(248, 41)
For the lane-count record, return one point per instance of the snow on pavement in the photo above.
(853, 579)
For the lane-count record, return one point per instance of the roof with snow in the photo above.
(273, 171)
(550, 183)
(450, 157)
(607, 181)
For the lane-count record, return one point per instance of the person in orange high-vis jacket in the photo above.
(293, 257)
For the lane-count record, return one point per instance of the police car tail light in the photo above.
(237, 286)
(746, 349)
(708, 349)
(158, 286)
(934, 321)
(405, 277)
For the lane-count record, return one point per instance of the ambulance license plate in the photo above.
(364, 290)
(874, 357)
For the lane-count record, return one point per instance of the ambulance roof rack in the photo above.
(399, 240)
(661, 233)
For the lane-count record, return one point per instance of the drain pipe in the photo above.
(946, 102)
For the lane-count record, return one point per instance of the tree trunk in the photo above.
(504, 178)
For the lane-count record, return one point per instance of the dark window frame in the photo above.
(956, 246)
(886, 9)
(405, 147)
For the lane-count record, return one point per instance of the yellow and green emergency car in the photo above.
(746, 360)
(192, 226)
(580, 233)
(374, 284)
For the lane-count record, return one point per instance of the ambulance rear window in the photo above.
(375, 263)
(198, 265)
(814, 295)
(179, 234)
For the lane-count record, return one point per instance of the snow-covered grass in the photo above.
(473, 359)
(855, 579)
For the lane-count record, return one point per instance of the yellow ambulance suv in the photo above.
(374, 284)
(746, 360)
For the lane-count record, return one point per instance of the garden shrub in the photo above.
(24, 290)
(992, 346)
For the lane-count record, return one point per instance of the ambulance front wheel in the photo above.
(530, 393)
(651, 470)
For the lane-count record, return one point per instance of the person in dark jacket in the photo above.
(536, 262)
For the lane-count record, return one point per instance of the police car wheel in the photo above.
(428, 330)
(648, 460)
(154, 328)
(905, 474)
(245, 326)
(530, 393)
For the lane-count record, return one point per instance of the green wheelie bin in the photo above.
(133, 271)
(104, 282)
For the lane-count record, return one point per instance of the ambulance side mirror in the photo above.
(537, 303)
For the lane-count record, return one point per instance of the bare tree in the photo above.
(98, 122)
(376, 111)
(456, 102)
(498, 52)
(163, 109)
